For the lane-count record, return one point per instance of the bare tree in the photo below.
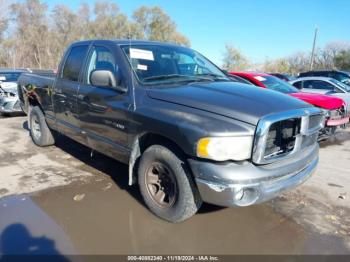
(109, 22)
(280, 65)
(153, 23)
(37, 38)
(31, 33)
(3, 18)
(342, 60)
(325, 58)
(234, 60)
(3, 27)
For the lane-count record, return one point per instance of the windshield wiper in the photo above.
(161, 77)
(187, 78)
(214, 76)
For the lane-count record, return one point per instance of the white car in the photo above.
(323, 85)
(9, 101)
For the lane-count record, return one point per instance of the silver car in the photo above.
(324, 85)
(9, 100)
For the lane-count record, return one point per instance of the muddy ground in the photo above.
(60, 200)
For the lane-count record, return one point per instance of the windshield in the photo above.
(344, 78)
(9, 77)
(276, 84)
(157, 64)
(341, 85)
(290, 77)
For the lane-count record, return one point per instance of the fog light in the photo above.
(247, 196)
(239, 194)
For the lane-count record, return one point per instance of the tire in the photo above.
(182, 199)
(39, 131)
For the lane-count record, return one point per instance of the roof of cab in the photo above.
(323, 78)
(125, 42)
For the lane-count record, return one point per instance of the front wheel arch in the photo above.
(141, 143)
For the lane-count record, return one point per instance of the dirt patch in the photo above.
(25, 168)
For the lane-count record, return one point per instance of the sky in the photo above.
(260, 29)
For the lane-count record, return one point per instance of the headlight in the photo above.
(225, 148)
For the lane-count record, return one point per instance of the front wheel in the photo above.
(39, 131)
(166, 185)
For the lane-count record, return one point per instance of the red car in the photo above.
(336, 115)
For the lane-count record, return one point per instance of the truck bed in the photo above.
(34, 84)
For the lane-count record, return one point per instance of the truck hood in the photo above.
(234, 100)
(319, 100)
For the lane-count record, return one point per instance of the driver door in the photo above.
(103, 110)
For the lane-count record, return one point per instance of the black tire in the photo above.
(39, 131)
(187, 200)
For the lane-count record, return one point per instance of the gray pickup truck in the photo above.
(187, 132)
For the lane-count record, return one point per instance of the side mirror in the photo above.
(105, 78)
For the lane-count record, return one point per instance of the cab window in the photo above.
(101, 59)
(74, 63)
(317, 84)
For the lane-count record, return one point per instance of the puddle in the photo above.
(114, 221)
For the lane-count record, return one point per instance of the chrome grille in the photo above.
(284, 134)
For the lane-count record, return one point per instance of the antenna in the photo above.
(131, 72)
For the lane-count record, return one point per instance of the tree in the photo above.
(280, 65)
(152, 23)
(38, 38)
(234, 60)
(109, 22)
(31, 37)
(3, 28)
(3, 19)
(342, 60)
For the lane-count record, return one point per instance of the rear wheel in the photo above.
(167, 185)
(39, 131)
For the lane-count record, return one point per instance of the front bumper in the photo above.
(245, 184)
(10, 105)
(337, 121)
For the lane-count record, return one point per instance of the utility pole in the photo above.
(313, 50)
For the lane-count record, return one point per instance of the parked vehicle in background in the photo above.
(323, 85)
(341, 76)
(188, 133)
(9, 101)
(238, 79)
(285, 77)
(335, 108)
